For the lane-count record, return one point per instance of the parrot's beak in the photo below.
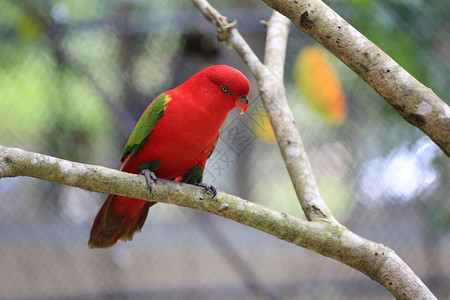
(242, 104)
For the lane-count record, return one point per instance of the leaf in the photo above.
(261, 126)
(30, 28)
(320, 84)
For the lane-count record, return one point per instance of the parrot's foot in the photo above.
(150, 177)
(209, 188)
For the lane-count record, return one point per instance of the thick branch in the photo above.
(416, 103)
(328, 238)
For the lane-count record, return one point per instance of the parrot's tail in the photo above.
(119, 218)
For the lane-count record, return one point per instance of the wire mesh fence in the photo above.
(76, 75)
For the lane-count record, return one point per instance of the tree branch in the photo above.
(328, 238)
(276, 42)
(275, 103)
(416, 103)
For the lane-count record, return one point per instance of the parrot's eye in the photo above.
(225, 89)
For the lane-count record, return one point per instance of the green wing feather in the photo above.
(145, 125)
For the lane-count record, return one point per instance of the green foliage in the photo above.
(53, 83)
(411, 32)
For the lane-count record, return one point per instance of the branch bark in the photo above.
(325, 237)
(276, 43)
(416, 103)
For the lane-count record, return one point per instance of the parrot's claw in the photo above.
(209, 188)
(150, 177)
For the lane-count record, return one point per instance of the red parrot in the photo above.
(173, 139)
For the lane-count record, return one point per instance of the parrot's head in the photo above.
(224, 88)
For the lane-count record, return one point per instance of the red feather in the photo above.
(181, 139)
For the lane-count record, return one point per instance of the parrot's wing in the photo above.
(145, 125)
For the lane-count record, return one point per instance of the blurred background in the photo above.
(75, 77)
